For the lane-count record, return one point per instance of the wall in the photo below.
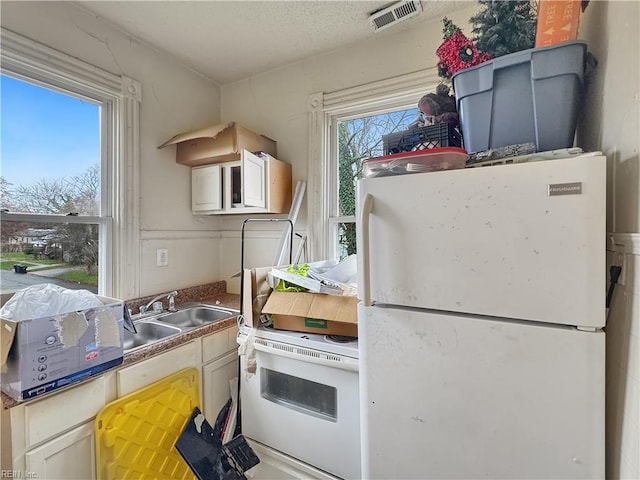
(611, 123)
(623, 361)
(279, 100)
(610, 120)
(175, 99)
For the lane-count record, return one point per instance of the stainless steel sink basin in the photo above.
(148, 332)
(155, 327)
(195, 316)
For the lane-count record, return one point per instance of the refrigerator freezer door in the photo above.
(447, 396)
(490, 241)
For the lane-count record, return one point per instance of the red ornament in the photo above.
(456, 53)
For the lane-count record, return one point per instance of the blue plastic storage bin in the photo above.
(528, 96)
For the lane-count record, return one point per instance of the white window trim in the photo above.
(324, 110)
(38, 63)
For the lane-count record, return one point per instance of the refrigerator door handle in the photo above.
(365, 213)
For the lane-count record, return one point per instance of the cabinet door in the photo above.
(215, 384)
(254, 180)
(71, 455)
(206, 188)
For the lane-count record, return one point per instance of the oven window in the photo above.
(299, 394)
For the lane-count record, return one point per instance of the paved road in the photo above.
(11, 281)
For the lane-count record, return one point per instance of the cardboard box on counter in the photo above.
(313, 313)
(42, 354)
(218, 143)
(255, 294)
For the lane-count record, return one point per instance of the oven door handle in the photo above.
(344, 363)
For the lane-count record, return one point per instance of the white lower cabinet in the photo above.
(220, 365)
(215, 384)
(54, 437)
(71, 455)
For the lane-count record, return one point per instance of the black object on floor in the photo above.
(201, 447)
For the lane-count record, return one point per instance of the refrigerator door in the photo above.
(446, 396)
(489, 240)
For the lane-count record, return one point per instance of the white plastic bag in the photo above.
(326, 276)
(47, 299)
(344, 272)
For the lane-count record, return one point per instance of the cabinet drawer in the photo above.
(219, 343)
(148, 371)
(59, 412)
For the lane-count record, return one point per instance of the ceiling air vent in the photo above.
(395, 13)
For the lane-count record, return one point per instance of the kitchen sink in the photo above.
(157, 326)
(148, 332)
(195, 316)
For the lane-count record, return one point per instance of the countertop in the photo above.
(222, 299)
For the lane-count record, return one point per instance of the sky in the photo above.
(45, 134)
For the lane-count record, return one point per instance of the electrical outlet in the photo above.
(162, 257)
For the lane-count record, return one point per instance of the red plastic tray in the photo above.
(419, 161)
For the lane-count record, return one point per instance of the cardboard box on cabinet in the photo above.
(218, 143)
(43, 354)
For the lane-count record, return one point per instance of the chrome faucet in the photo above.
(172, 302)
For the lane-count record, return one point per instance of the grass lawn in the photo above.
(81, 277)
(7, 260)
(8, 265)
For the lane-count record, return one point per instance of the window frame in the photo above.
(119, 98)
(325, 111)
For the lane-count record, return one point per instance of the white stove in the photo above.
(305, 386)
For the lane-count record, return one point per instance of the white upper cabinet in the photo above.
(206, 185)
(252, 185)
(253, 179)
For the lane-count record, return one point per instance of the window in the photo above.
(354, 141)
(51, 165)
(347, 128)
(69, 168)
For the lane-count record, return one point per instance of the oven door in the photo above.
(304, 409)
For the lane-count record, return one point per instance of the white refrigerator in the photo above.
(480, 328)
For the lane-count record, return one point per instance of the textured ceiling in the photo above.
(231, 40)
